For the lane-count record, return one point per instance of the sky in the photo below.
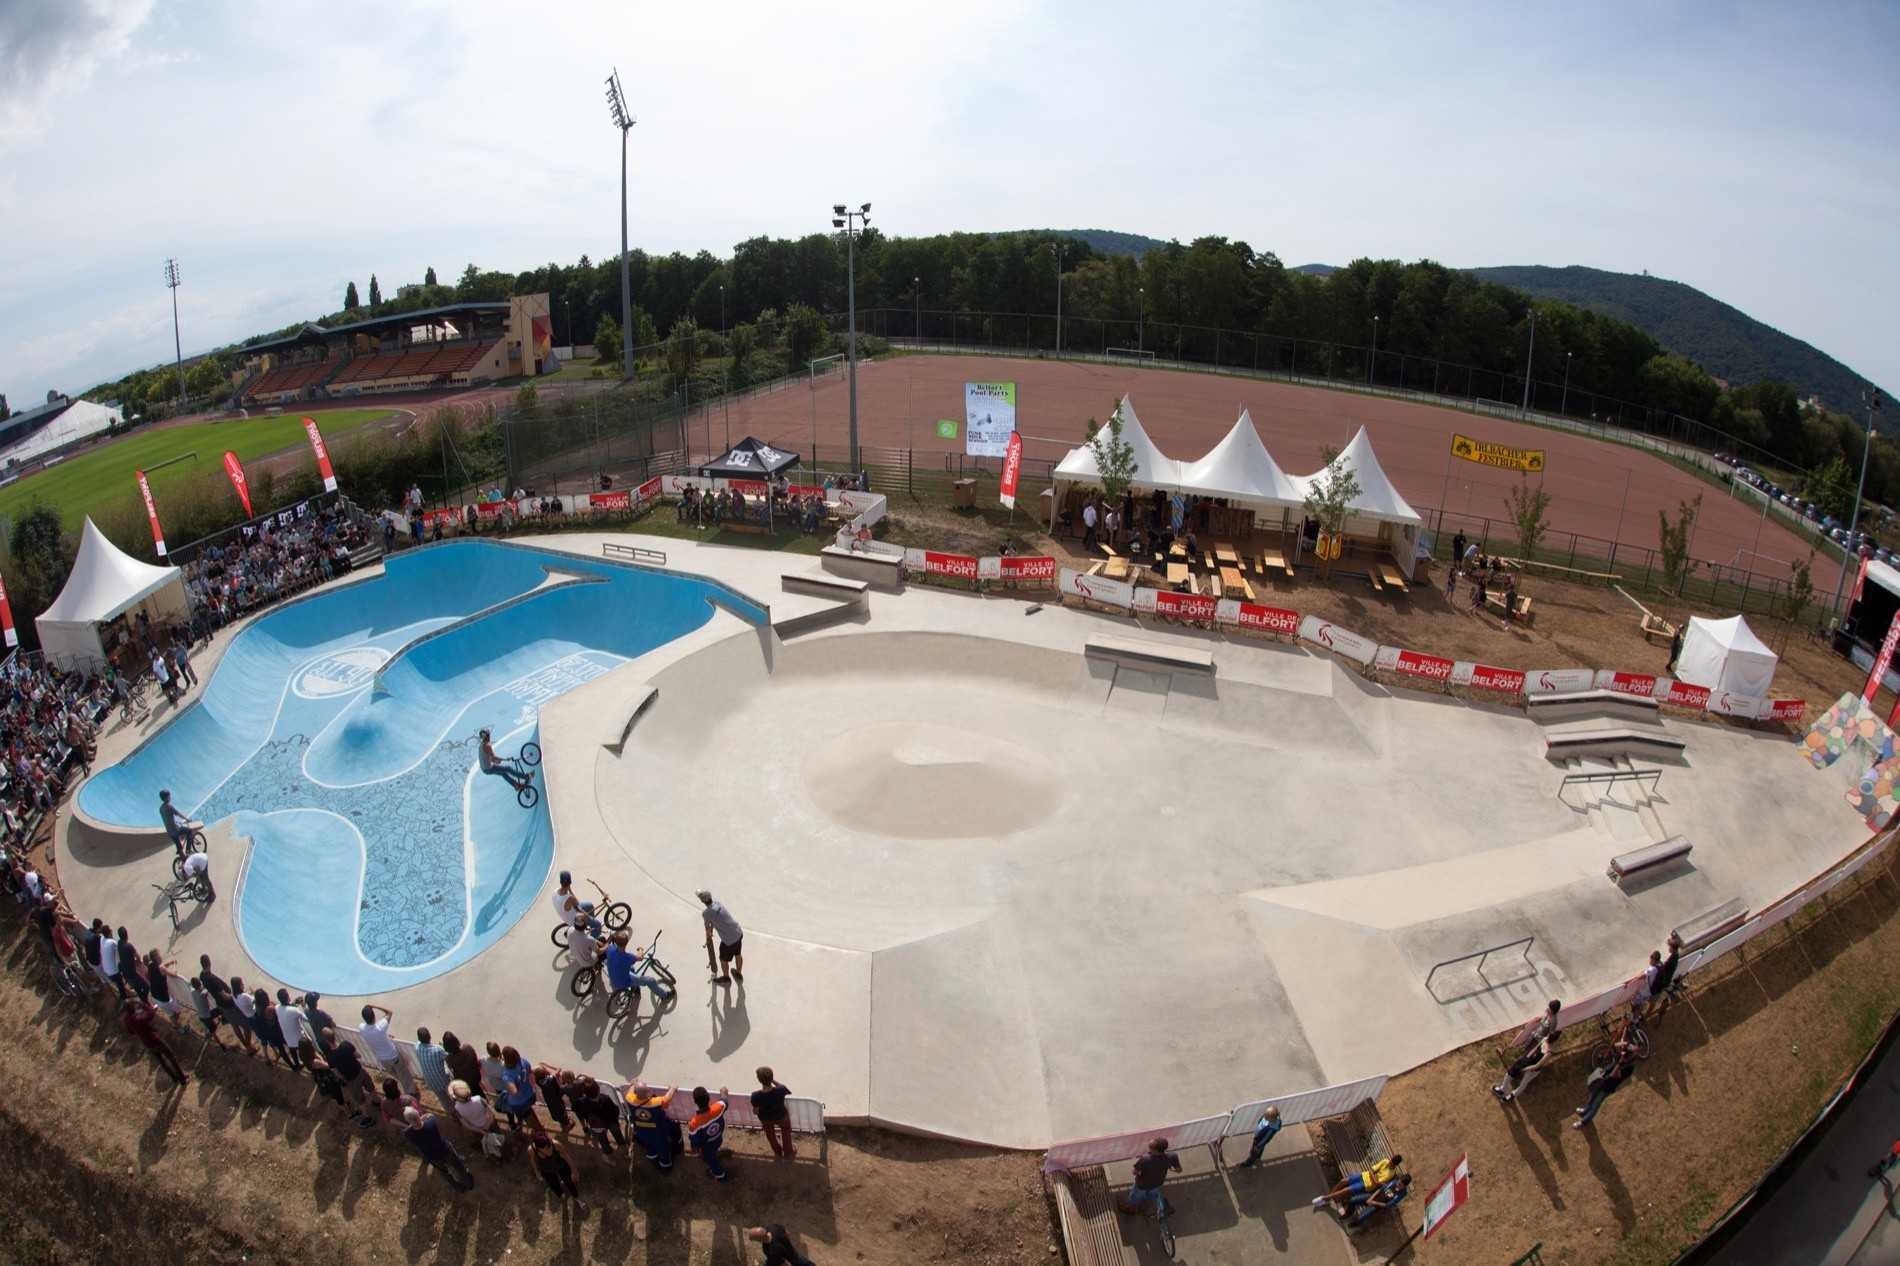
(278, 151)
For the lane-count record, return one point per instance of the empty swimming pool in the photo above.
(339, 732)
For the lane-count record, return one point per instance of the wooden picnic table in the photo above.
(1274, 560)
(1392, 576)
(1177, 573)
(1225, 553)
(1235, 584)
(1117, 568)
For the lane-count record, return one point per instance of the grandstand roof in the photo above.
(310, 333)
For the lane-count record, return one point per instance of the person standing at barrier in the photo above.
(433, 1062)
(1524, 1071)
(1606, 1082)
(1262, 1135)
(779, 1249)
(383, 1048)
(731, 938)
(290, 1023)
(142, 1023)
(1658, 976)
(426, 1137)
(768, 1105)
(1151, 1171)
(707, 1130)
(653, 1129)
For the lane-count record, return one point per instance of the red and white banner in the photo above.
(931, 563)
(323, 454)
(493, 509)
(1729, 704)
(1413, 664)
(6, 617)
(648, 491)
(1177, 606)
(610, 501)
(235, 468)
(1782, 710)
(1882, 661)
(1012, 469)
(1680, 694)
(1448, 1197)
(1642, 685)
(1248, 615)
(1015, 568)
(151, 512)
(1110, 593)
(1483, 677)
(1342, 641)
(1558, 681)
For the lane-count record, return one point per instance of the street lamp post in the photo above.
(917, 318)
(852, 223)
(1057, 251)
(1564, 406)
(1525, 408)
(1375, 349)
(1872, 397)
(569, 305)
(1141, 317)
(617, 107)
(722, 312)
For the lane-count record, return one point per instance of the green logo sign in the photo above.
(946, 429)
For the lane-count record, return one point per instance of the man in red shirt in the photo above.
(142, 1023)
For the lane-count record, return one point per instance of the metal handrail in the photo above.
(1611, 776)
(1481, 955)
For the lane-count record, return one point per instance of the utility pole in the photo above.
(1058, 251)
(617, 106)
(1525, 409)
(1872, 397)
(852, 223)
(178, 346)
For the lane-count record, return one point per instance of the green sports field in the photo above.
(102, 475)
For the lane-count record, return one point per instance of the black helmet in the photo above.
(484, 731)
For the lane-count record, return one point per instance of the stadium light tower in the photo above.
(852, 223)
(1058, 251)
(178, 346)
(617, 106)
(1524, 409)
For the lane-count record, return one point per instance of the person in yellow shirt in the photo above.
(1363, 1183)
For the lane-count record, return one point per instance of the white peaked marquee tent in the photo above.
(1726, 656)
(1240, 469)
(1378, 510)
(105, 584)
(1153, 468)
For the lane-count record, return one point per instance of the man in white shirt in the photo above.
(375, 1034)
(198, 869)
(290, 1021)
(109, 960)
(1088, 526)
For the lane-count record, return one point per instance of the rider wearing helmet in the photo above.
(508, 769)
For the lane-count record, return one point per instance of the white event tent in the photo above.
(106, 583)
(1153, 468)
(1378, 508)
(1240, 469)
(1726, 656)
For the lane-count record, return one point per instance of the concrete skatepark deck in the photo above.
(1000, 889)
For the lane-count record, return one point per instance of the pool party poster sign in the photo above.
(989, 414)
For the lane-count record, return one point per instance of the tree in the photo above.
(741, 343)
(1330, 496)
(1114, 457)
(607, 340)
(1672, 541)
(805, 333)
(682, 348)
(350, 302)
(1527, 506)
(205, 378)
(525, 398)
(1832, 488)
(375, 294)
(428, 278)
(1800, 593)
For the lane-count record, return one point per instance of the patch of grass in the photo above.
(80, 485)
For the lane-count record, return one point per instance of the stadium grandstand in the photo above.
(459, 345)
(61, 420)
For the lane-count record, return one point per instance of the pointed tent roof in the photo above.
(750, 458)
(1377, 498)
(1153, 468)
(1240, 469)
(105, 581)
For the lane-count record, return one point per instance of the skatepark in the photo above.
(1006, 875)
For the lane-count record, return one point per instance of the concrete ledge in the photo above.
(1151, 656)
(636, 708)
(1642, 860)
(880, 571)
(1713, 926)
(853, 599)
(1590, 700)
(1611, 743)
(102, 844)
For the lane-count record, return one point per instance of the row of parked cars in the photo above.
(1829, 527)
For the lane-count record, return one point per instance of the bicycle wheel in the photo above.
(617, 916)
(621, 1001)
(1602, 1055)
(559, 934)
(1166, 1233)
(67, 982)
(178, 866)
(1640, 1040)
(528, 796)
(660, 971)
(201, 890)
(585, 979)
(531, 753)
(196, 842)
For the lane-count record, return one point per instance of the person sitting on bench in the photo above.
(1362, 1209)
(1363, 1183)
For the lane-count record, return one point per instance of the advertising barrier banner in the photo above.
(1483, 677)
(1681, 694)
(1110, 1148)
(1110, 593)
(1558, 681)
(610, 501)
(1248, 615)
(6, 617)
(1782, 710)
(1728, 704)
(1413, 664)
(1178, 606)
(1341, 641)
(1882, 660)
(1642, 685)
(931, 563)
(1311, 1105)
(1016, 568)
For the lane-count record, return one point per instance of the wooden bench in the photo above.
(1372, 574)
(1495, 598)
(743, 525)
(1643, 860)
(1235, 584)
(1655, 624)
(1392, 576)
(1712, 926)
(1096, 567)
(1350, 1143)
(1274, 560)
(1085, 1205)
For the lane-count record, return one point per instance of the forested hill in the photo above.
(1725, 341)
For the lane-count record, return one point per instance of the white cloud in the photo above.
(52, 47)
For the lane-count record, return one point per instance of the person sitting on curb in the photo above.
(1362, 1209)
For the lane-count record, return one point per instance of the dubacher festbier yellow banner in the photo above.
(1525, 459)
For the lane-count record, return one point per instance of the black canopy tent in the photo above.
(752, 458)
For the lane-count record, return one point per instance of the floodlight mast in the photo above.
(178, 346)
(852, 223)
(617, 107)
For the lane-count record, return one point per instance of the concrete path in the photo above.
(998, 890)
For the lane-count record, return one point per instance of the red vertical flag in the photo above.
(1883, 660)
(323, 454)
(6, 617)
(235, 468)
(1012, 469)
(151, 512)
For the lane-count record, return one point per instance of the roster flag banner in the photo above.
(323, 454)
(151, 512)
(1885, 658)
(1012, 469)
(6, 617)
(1529, 460)
(235, 468)
(989, 410)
